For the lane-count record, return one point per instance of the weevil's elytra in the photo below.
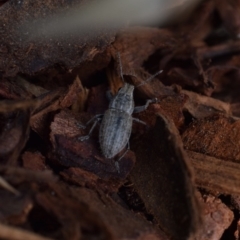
(116, 139)
(116, 126)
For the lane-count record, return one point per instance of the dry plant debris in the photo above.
(180, 178)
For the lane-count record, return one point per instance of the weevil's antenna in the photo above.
(120, 65)
(151, 78)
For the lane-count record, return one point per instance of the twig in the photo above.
(4, 184)
(13, 233)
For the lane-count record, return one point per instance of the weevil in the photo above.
(116, 124)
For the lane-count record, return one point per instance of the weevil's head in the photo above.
(126, 91)
(123, 100)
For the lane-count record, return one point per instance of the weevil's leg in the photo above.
(144, 107)
(83, 138)
(98, 117)
(139, 121)
(117, 162)
(92, 119)
(128, 148)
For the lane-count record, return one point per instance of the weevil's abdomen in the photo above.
(115, 131)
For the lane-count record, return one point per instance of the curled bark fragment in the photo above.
(202, 106)
(69, 151)
(163, 179)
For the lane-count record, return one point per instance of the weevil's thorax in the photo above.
(123, 100)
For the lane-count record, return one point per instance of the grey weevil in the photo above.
(116, 124)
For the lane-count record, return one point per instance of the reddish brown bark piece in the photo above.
(217, 217)
(229, 12)
(71, 152)
(218, 50)
(225, 77)
(235, 201)
(14, 138)
(54, 100)
(15, 117)
(14, 210)
(88, 68)
(171, 106)
(163, 179)
(34, 161)
(237, 232)
(202, 106)
(18, 176)
(97, 100)
(26, 48)
(12, 89)
(196, 28)
(189, 79)
(215, 175)
(80, 177)
(48, 103)
(216, 136)
(72, 212)
(128, 42)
